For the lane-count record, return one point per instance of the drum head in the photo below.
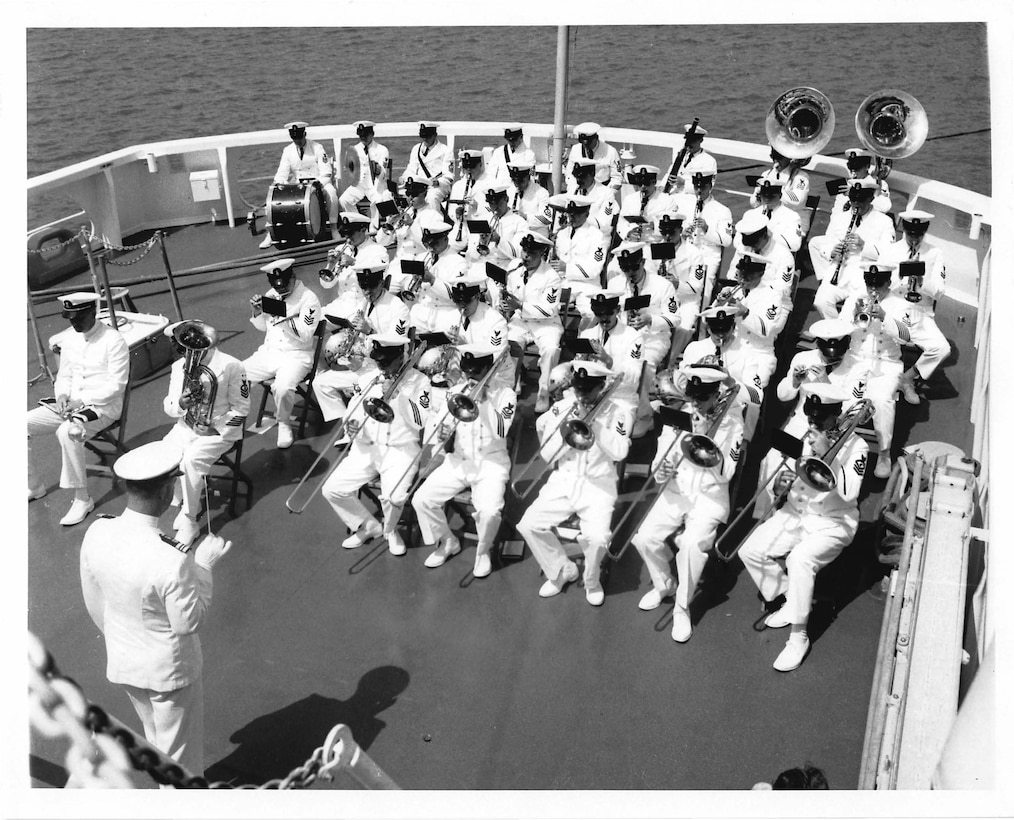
(350, 166)
(313, 210)
(295, 212)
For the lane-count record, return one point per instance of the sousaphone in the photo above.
(800, 123)
(891, 124)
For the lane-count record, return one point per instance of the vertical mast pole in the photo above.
(559, 131)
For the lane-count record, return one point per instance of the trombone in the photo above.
(699, 448)
(576, 433)
(378, 409)
(816, 472)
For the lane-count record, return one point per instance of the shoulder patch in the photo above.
(787, 276)
(401, 328)
(860, 389)
(552, 296)
(496, 339)
(244, 388)
(859, 465)
(424, 399)
(674, 306)
(508, 410)
(621, 428)
(599, 254)
(172, 542)
(736, 451)
(699, 272)
(635, 351)
(771, 312)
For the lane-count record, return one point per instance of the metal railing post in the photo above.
(169, 275)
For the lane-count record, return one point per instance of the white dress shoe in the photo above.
(266, 242)
(551, 588)
(883, 468)
(542, 401)
(437, 558)
(284, 436)
(78, 512)
(37, 492)
(187, 530)
(681, 627)
(367, 532)
(908, 390)
(652, 599)
(396, 544)
(595, 597)
(483, 566)
(792, 656)
(777, 620)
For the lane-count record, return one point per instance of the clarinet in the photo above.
(461, 224)
(841, 257)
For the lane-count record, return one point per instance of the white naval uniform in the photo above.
(658, 203)
(426, 164)
(286, 355)
(878, 364)
(784, 223)
(778, 272)
(697, 497)
(149, 598)
(228, 416)
(533, 202)
(743, 362)
(511, 228)
(604, 208)
(701, 162)
(922, 322)
(795, 190)
(387, 315)
(582, 482)
(479, 461)
(408, 239)
(345, 282)
(433, 305)
(608, 168)
(500, 156)
(582, 253)
(663, 311)
(370, 185)
(309, 162)
(785, 553)
(712, 241)
(387, 450)
(625, 346)
(760, 328)
(538, 318)
(94, 369)
(473, 190)
(688, 272)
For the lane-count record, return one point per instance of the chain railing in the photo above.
(103, 751)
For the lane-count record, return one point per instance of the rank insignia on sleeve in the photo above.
(800, 183)
(635, 351)
(621, 428)
(736, 452)
(674, 306)
(508, 410)
(599, 254)
(859, 389)
(424, 399)
(551, 297)
(401, 328)
(357, 388)
(308, 319)
(172, 542)
(548, 211)
(771, 312)
(757, 380)
(555, 409)
(699, 272)
(728, 229)
(859, 465)
(787, 276)
(244, 388)
(496, 339)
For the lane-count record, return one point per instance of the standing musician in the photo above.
(389, 450)
(860, 240)
(921, 292)
(531, 304)
(580, 248)
(355, 228)
(513, 150)
(468, 196)
(582, 481)
(785, 552)
(646, 202)
(687, 271)
(430, 160)
(608, 169)
(783, 221)
(286, 354)
(795, 181)
(499, 246)
(707, 223)
(430, 293)
(695, 161)
(526, 196)
(374, 170)
(209, 396)
(696, 495)
(89, 387)
(883, 321)
(755, 237)
(305, 160)
(476, 459)
(604, 206)
(407, 227)
(375, 311)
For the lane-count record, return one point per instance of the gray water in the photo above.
(91, 91)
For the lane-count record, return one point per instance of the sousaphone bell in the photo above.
(800, 123)
(891, 124)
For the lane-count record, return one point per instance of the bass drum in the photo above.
(295, 212)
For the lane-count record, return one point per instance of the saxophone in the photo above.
(199, 381)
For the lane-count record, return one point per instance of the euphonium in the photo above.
(199, 381)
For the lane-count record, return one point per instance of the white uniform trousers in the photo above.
(564, 494)
(72, 473)
(199, 453)
(173, 722)
(546, 335)
(329, 387)
(288, 368)
(882, 390)
(700, 519)
(363, 464)
(785, 553)
(829, 297)
(935, 347)
(487, 481)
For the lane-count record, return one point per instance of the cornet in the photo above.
(336, 258)
(863, 312)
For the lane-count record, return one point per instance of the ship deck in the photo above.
(450, 682)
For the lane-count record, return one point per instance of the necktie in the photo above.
(514, 207)
(582, 191)
(605, 336)
(636, 290)
(913, 251)
(767, 213)
(372, 306)
(718, 353)
(466, 323)
(424, 150)
(859, 221)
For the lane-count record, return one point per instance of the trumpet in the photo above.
(729, 296)
(697, 448)
(378, 409)
(816, 472)
(863, 312)
(336, 258)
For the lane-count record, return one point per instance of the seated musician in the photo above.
(608, 169)
(531, 304)
(390, 450)
(340, 273)
(921, 292)
(783, 221)
(856, 241)
(468, 196)
(286, 354)
(476, 459)
(514, 150)
(604, 207)
(374, 311)
(374, 170)
(306, 160)
(695, 161)
(580, 247)
(647, 202)
(755, 236)
(795, 181)
(785, 552)
(499, 246)
(861, 163)
(582, 480)
(707, 223)
(687, 271)
(209, 396)
(429, 160)
(429, 294)
(616, 345)
(407, 227)
(475, 322)
(89, 388)
(527, 197)
(695, 493)
(882, 320)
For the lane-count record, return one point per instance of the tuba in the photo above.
(891, 124)
(800, 123)
(199, 381)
